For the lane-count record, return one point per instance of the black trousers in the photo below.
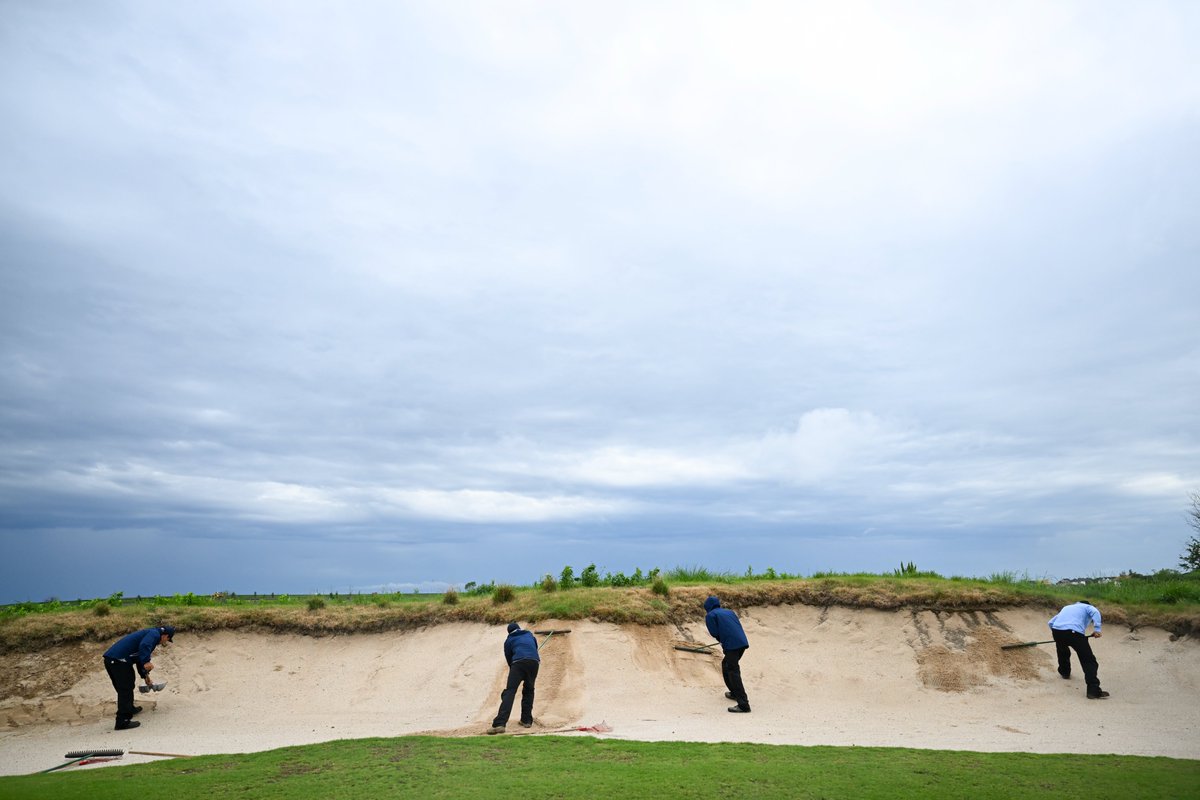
(519, 672)
(732, 673)
(123, 680)
(1064, 643)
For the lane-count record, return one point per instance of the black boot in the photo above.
(126, 724)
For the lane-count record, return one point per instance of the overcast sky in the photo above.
(315, 296)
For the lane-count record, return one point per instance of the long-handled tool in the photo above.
(81, 754)
(698, 648)
(1023, 644)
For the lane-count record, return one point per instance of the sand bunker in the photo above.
(815, 676)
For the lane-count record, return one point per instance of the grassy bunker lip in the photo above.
(1171, 603)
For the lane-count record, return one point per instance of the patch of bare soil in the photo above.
(46, 673)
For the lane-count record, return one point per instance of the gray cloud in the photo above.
(482, 293)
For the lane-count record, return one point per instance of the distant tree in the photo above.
(590, 576)
(1190, 560)
(566, 580)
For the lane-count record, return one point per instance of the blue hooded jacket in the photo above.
(137, 647)
(520, 646)
(724, 625)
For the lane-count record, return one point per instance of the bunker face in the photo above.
(814, 676)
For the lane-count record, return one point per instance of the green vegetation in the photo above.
(530, 766)
(1168, 599)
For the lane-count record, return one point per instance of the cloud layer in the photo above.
(386, 293)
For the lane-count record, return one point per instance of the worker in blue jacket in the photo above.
(521, 653)
(1069, 629)
(725, 627)
(133, 652)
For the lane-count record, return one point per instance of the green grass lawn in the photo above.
(559, 767)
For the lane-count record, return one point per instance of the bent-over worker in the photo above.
(726, 628)
(1069, 629)
(521, 653)
(129, 653)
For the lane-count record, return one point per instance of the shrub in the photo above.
(102, 609)
(618, 580)
(566, 578)
(1190, 560)
(450, 598)
(590, 576)
(316, 603)
(503, 594)
(660, 587)
(549, 584)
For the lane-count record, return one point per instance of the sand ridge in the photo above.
(814, 675)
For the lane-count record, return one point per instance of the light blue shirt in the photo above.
(1075, 617)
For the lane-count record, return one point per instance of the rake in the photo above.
(80, 754)
(1023, 644)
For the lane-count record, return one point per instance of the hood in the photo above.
(711, 603)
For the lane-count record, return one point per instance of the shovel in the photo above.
(1023, 644)
(699, 648)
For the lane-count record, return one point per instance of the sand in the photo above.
(815, 677)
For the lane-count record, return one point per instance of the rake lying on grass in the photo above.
(81, 757)
(119, 752)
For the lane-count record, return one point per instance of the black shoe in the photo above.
(1066, 676)
(739, 709)
(137, 710)
(729, 696)
(525, 724)
(124, 725)
(1097, 695)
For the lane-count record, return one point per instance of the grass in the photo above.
(559, 767)
(1168, 600)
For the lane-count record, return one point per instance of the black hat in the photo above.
(169, 631)
(512, 626)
